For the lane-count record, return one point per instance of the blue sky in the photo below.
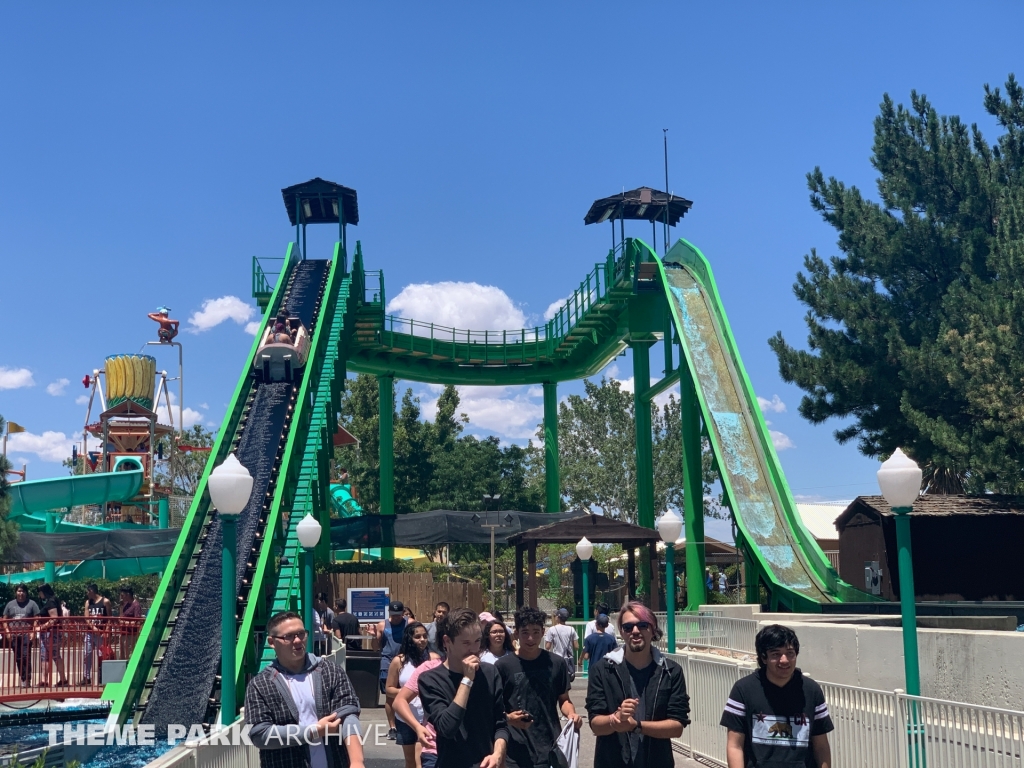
(143, 149)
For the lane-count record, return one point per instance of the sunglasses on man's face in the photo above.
(291, 637)
(629, 626)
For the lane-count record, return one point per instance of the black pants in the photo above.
(21, 646)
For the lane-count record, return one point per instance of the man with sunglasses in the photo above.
(636, 697)
(303, 709)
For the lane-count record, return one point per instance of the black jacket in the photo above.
(664, 699)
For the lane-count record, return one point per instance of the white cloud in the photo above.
(253, 328)
(458, 305)
(217, 311)
(775, 405)
(49, 446)
(553, 308)
(190, 416)
(15, 378)
(82, 400)
(511, 412)
(56, 388)
(781, 440)
(204, 406)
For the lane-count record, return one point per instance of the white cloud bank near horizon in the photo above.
(468, 306)
(49, 446)
(217, 311)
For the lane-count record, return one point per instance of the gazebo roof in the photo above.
(642, 203)
(597, 528)
(321, 196)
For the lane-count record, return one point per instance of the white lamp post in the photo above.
(308, 530)
(669, 526)
(584, 551)
(230, 486)
(900, 481)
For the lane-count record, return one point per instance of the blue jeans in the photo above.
(93, 642)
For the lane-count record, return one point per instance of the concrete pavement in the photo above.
(381, 753)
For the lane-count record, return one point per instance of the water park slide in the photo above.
(783, 551)
(58, 493)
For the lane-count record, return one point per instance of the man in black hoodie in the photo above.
(636, 697)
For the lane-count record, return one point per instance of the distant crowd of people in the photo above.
(100, 633)
(467, 690)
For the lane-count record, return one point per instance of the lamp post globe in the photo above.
(584, 549)
(670, 526)
(899, 478)
(230, 486)
(308, 531)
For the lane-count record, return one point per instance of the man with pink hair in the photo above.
(636, 697)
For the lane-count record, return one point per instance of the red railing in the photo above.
(58, 658)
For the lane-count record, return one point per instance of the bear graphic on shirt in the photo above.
(781, 731)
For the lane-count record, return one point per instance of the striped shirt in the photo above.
(777, 723)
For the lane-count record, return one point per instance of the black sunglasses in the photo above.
(629, 626)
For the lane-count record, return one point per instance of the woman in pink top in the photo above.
(407, 706)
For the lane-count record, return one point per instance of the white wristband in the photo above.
(466, 682)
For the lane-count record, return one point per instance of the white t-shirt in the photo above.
(301, 688)
(489, 658)
(561, 637)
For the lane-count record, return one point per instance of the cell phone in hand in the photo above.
(527, 717)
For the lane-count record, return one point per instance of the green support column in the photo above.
(163, 513)
(50, 569)
(552, 479)
(387, 452)
(228, 599)
(693, 500)
(644, 452)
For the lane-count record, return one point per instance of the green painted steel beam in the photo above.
(552, 472)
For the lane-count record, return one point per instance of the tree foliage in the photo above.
(597, 452)
(8, 529)
(912, 333)
(182, 470)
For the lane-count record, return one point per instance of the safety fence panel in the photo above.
(61, 657)
(710, 632)
(226, 749)
(708, 684)
(947, 734)
(867, 727)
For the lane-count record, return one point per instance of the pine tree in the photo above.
(883, 317)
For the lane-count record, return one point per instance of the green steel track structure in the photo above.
(631, 299)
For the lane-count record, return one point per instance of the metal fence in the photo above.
(708, 631)
(57, 658)
(872, 728)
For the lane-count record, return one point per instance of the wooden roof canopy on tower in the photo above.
(316, 202)
(642, 203)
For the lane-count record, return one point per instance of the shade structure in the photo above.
(113, 544)
(437, 528)
(640, 204)
(316, 201)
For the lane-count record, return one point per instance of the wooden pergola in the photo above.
(598, 530)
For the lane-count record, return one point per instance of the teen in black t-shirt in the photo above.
(535, 684)
(777, 717)
(463, 700)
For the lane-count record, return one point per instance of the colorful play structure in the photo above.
(116, 477)
(281, 424)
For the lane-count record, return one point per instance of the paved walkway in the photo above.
(381, 753)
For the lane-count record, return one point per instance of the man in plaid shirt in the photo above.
(302, 710)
